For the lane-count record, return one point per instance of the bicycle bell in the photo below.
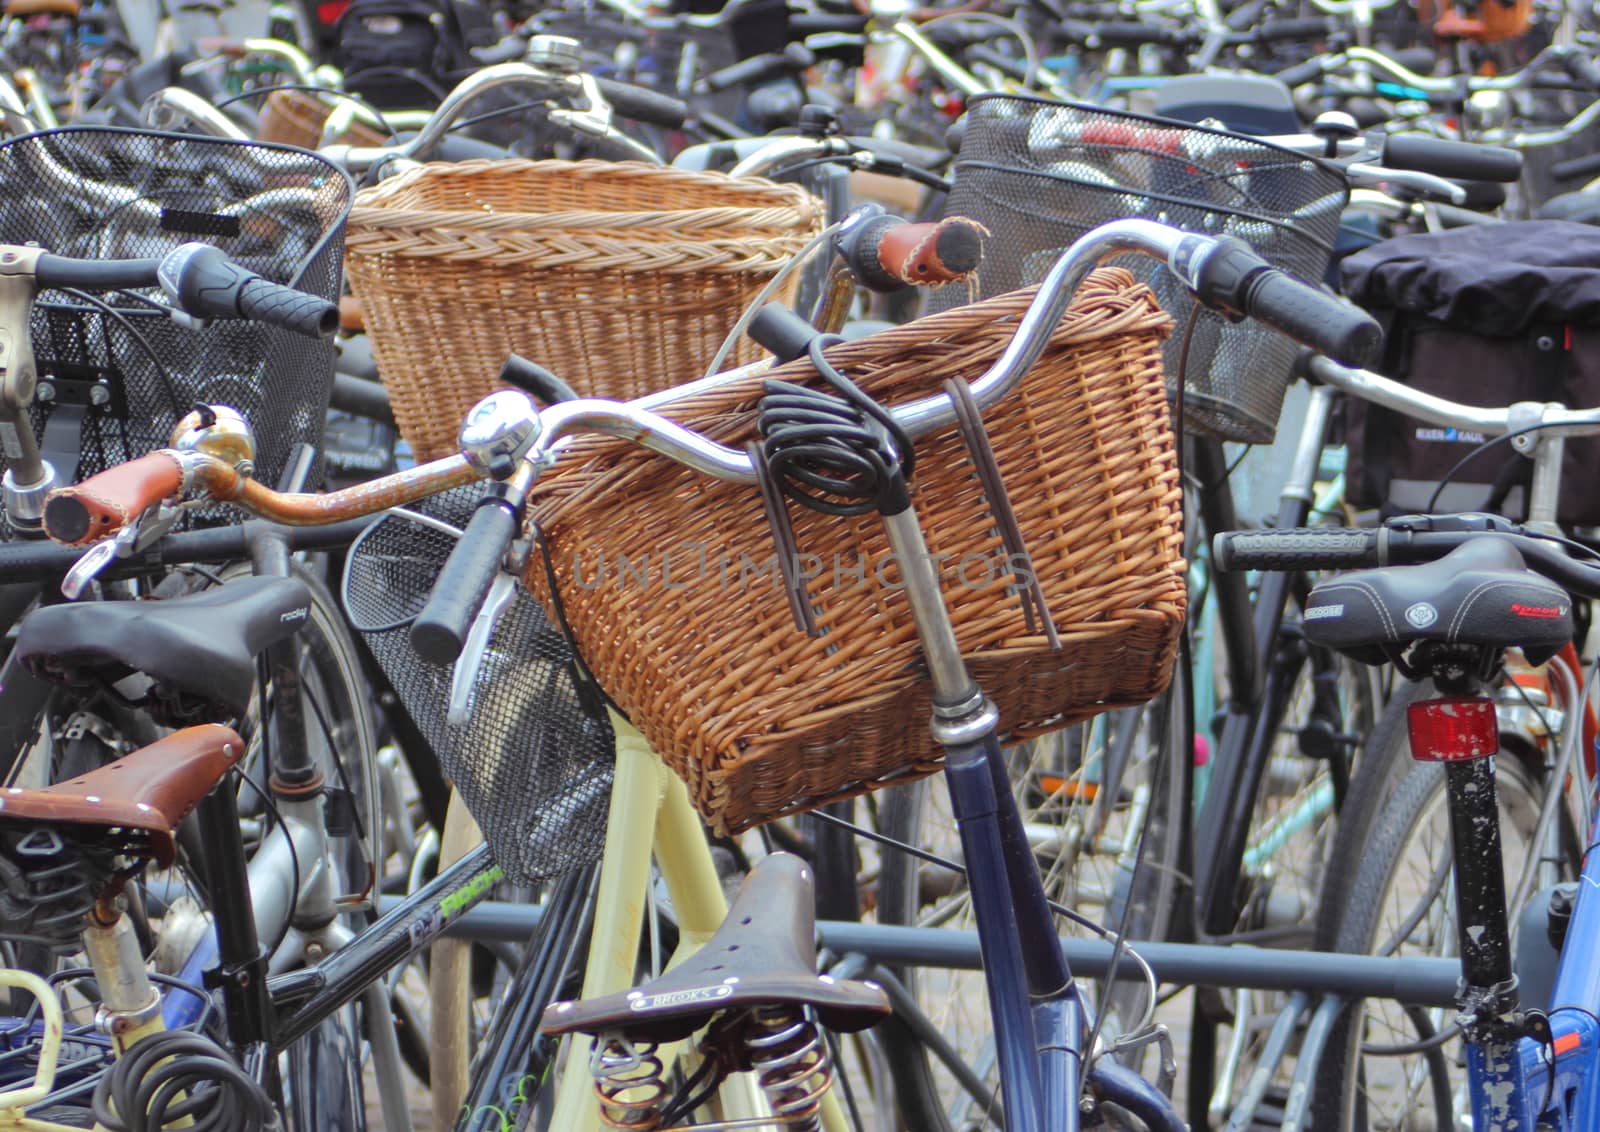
(499, 432)
(555, 53)
(220, 431)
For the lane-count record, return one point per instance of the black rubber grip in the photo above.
(1118, 33)
(1575, 168)
(781, 332)
(361, 397)
(440, 630)
(1300, 73)
(95, 274)
(536, 381)
(1347, 334)
(802, 24)
(644, 105)
(1584, 70)
(1299, 549)
(793, 59)
(1445, 158)
(273, 304)
(1307, 27)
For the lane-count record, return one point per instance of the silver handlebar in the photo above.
(1184, 253)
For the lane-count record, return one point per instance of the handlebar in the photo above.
(886, 253)
(1403, 541)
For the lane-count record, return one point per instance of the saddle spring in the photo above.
(631, 1083)
(792, 1061)
(45, 891)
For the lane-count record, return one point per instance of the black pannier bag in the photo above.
(1485, 316)
(401, 54)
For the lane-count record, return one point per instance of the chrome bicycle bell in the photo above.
(499, 431)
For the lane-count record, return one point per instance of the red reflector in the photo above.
(1567, 1042)
(1450, 730)
(329, 11)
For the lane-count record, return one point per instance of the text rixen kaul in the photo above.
(694, 565)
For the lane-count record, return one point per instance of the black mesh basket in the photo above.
(117, 374)
(533, 762)
(1039, 174)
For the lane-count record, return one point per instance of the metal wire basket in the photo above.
(115, 372)
(533, 762)
(1039, 174)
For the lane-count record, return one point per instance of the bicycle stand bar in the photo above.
(1414, 980)
(1309, 1063)
(1277, 1045)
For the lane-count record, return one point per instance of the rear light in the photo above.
(1453, 730)
(329, 11)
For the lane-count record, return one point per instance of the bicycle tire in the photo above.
(927, 1096)
(1408, 802)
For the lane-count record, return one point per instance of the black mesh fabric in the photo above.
(534, 761)
(1039, 174)
(101, 193)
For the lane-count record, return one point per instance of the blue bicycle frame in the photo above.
(1525, 1083)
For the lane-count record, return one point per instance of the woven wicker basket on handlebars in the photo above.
(668, 580)
(622, 278)
(293, 117)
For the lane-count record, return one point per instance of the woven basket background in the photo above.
(294, 117)
(761, 720)
(622, 278)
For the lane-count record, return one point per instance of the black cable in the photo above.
(294, 858)
(170, 1075)
(167, 379)
(1503, 438)
(915, 173)
(312, 88)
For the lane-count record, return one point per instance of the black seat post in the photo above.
(1460, 730)
(292, 769)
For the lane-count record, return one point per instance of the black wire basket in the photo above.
(1039, 174)
(534, 760)
(116, 372)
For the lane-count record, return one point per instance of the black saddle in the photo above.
(764, 952)
(1481, 593)
(200, 646)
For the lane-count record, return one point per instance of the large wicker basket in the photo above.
(621, 277)
(668, 578)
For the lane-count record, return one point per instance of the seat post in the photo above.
(130, 1006)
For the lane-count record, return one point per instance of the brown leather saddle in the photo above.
(64, 846)
(764, 953)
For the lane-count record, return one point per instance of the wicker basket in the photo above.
(668, 580)
(293, 117)
(623, 278)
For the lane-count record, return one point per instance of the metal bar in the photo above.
(1272, 1053)
(1310, 1062)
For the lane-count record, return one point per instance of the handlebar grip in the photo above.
(440, 630)
(1584, 70)
(1575, 168)
(644, 105)
(95, 274)
(1305, 27)
(261, 300)
(1297, 549)
(1445, 158)
(1300, 73)
(887, 253)
(103, 504)
(793, 59)
(207, 284)
(1346, 333)
(536, 381)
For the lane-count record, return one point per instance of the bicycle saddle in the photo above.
(764, 952)
(201, 645)
(1481, 593)
(135, 803)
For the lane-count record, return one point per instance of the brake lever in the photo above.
(464, 677)
(136, 536)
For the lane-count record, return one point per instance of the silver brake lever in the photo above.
(156, 521)
(464, 677)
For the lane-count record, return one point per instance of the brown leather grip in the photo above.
(103, 504)
(932, 254)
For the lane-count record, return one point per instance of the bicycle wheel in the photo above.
(1095, 799)
(1393, 896)
(1287, 856)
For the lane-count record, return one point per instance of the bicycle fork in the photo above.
(1038, 1016)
